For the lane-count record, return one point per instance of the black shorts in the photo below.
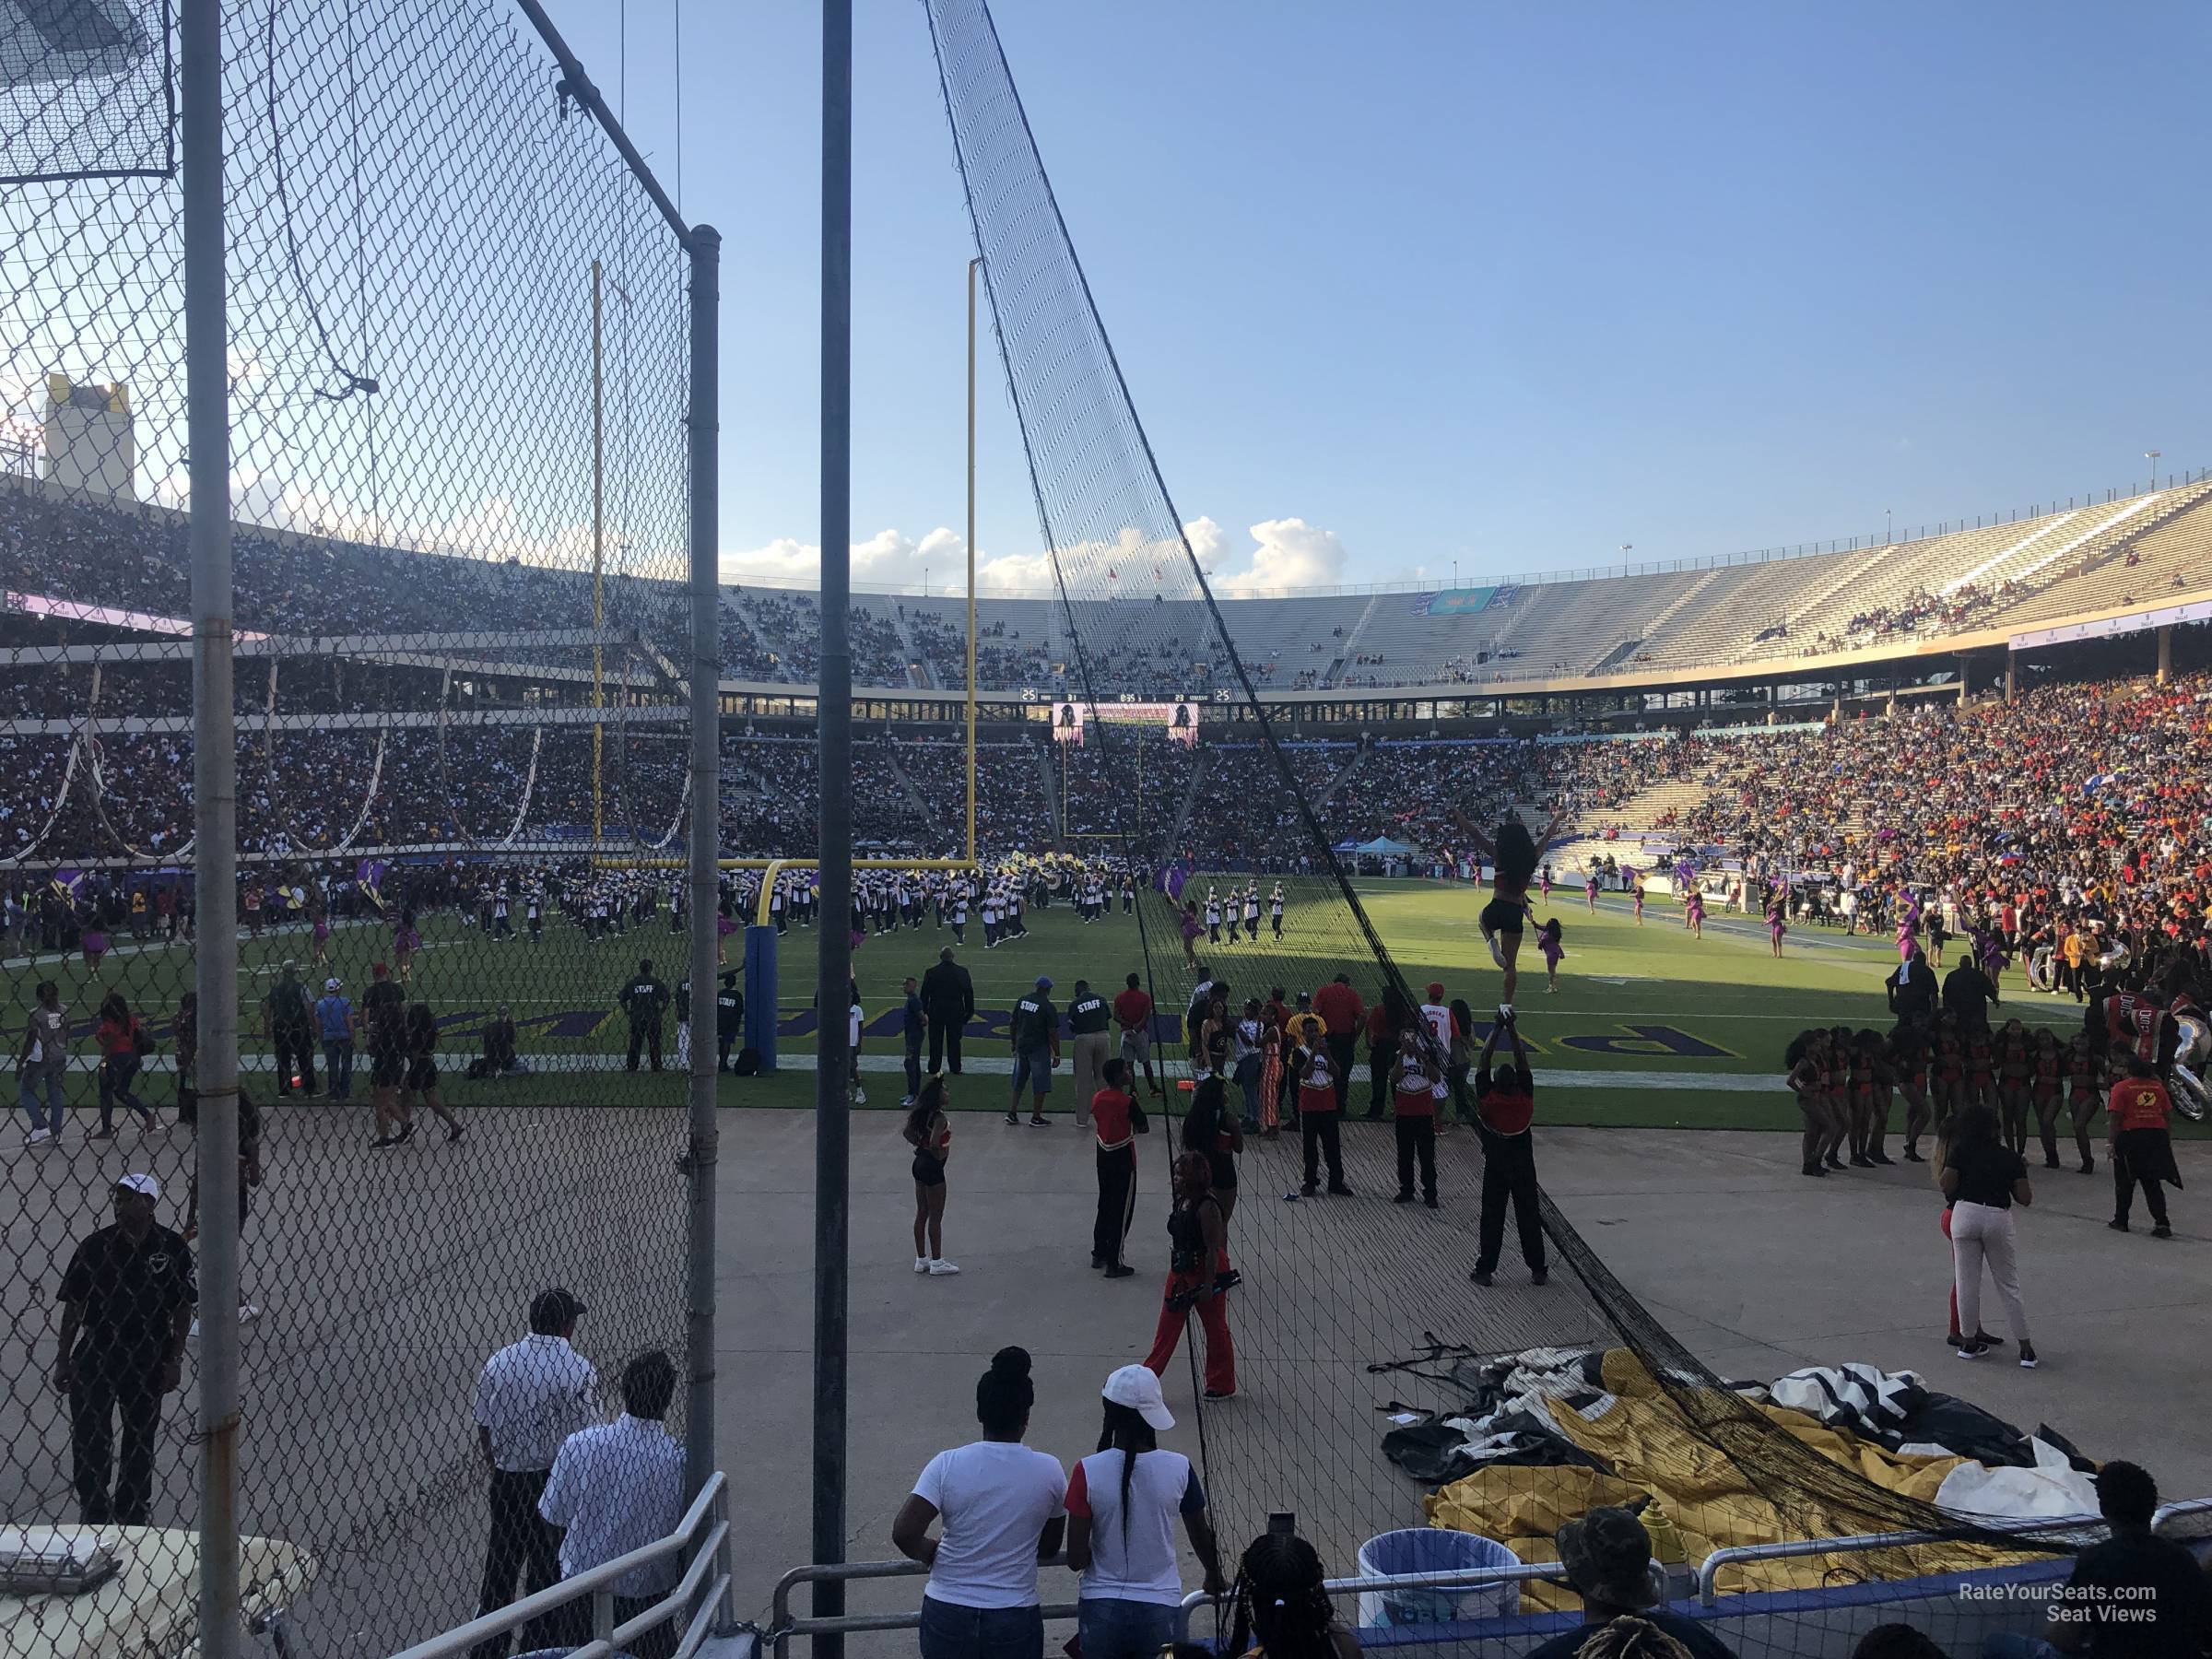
(1503, 915)
(928, 1171)
(422, 1073)
(386, 1067)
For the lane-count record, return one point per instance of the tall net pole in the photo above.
(832, 1145)
(971, 266)
(598, 558)
(704, 875)
(214, 812)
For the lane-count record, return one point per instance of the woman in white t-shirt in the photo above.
(1001, 1507)
(1122, 1504)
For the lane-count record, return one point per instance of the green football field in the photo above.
(1648, 1027)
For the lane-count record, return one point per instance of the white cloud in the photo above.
(1292, 556)
(890, 559)
(1284, 555)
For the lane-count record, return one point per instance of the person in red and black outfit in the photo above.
(1385, 1026)
(1506, 1104)
(1342, 1014)
(1198, 1241)
(1117, 1119)
(1418, 1081)
(2141, 1150)
(1319, 1096)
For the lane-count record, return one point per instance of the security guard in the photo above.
(646, 1000)
(729, 1018)
(1035, 1032)
(1087, 1017)
(126, 1299)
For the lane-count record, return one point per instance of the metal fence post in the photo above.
(215, 813)
(705, 420)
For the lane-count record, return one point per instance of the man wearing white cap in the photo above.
(1123, 1502)
(333, 1024)
(126, 1299)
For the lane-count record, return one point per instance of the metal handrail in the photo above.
(598, 1584)
(1470, 1578)
(782, 1627)
(1708, 1574)
(2168, 1512)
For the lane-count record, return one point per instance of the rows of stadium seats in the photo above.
(2073, 559)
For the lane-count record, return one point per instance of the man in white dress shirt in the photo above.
(532, 1396)
(616, 1487)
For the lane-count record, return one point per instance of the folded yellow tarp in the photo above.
(1641, 1435)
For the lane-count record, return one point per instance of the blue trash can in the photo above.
(1433, 1549)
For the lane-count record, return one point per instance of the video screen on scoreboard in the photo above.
(1177, 719)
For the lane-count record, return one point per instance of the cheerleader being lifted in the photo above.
(1515, 855)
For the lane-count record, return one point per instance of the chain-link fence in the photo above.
(466, 468)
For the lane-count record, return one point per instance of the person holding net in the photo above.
(1515, 855)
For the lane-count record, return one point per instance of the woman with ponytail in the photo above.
(1280, 1609)
(1122, 1504)
(1001, 1507)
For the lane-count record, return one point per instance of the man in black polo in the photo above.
(126, 1299)
(949, 997)
(646, 1000)
(1035, 1033)
(729, 1018)
(1968, 994)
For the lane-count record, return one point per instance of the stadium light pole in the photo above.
(2152, 457)
(213, 811)
(833, 713)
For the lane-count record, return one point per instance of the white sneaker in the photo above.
(1497, 950)
(942, 1269)
(860, 1095)
(248, 1312)
(37, 1136)
(920, 1264)
(1505, 1011)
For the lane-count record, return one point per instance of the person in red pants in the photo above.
(1198, 1241)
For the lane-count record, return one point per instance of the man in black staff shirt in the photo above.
(729, 1018)
(126, 1299)
(1968, 994)
(1035, 1033)
(646, 1000)
(1087, 1017)
(1505, 1105)
(1912, 991)
(948, 995)
(2135, 1593)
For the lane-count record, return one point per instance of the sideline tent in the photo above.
(1383, 847)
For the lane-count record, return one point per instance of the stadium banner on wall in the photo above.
(2199, 610)
(1180, 718)
(1458, 602)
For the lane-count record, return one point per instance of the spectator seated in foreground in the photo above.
(1609, 1556)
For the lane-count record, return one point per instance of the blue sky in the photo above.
(1405, 284)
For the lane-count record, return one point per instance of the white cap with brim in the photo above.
(1135, 1387)
(144, 1185)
